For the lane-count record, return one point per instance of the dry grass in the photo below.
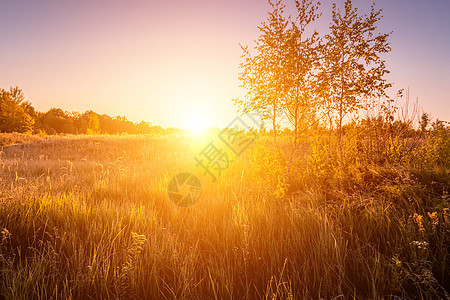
(88, 217)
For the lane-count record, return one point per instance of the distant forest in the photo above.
(18, 115)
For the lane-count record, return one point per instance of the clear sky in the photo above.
(167, 61)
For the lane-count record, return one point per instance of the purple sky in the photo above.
(164, 61)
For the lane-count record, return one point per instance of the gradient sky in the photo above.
(165, 61)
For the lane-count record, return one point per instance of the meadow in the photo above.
(88, 217)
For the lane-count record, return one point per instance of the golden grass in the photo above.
(88, 217)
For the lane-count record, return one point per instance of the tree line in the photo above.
(18, 115)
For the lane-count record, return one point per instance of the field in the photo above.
(89, 217)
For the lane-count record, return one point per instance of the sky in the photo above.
(168, 62)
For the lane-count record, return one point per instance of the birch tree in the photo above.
(352, 68)
(262, 69)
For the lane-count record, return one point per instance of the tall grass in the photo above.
(88, 217)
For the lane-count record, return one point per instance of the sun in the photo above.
(198, 122)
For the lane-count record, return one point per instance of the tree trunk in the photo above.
(274, 123)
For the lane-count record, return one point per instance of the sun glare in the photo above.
(197, 123)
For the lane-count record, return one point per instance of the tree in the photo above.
(14, 110)
(58, 121)
(144, 127)
(352, 68)
(424, 122)
(262, 72)
(94, 124)
(107, 124)
(88, 122)
(299, 64)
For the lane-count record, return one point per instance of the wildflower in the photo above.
(421, 245)
(435, 220)
(446, 213)
(397, 261)
(418, 219)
